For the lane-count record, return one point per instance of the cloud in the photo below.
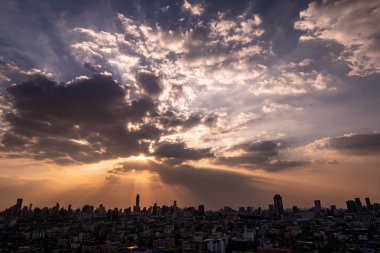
(150, 83)
(289, 79)
(81, 121)
(352, 24)
(194, 9)
(260, 155)
(91, 119)
(179, 151)
(351, 144)
(275, 107)
(9, 71)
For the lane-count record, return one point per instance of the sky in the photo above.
(203, 102)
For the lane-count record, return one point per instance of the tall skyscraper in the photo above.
(137, 207)
(368, 203)
(358, 203)
(137, 200)
(18, 207)
(278, 206)
(19, 204)
(317, 206)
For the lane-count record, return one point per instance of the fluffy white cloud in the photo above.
(198, 65)
(194, 9)
(288, 80)
(353, 24)
(275, 107)
(206, 55)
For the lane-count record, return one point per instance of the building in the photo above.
(358, 203)
(368, 203)
(201, 209)
(270, 250)
(351, 206)
(271, 209)
(278, 206)
(17, 207)
(137, 206)
(317, 206)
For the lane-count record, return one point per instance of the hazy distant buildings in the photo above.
(278, 206)
(155, 228)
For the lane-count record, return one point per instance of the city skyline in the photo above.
(277, 206)
(169, 229)
(203, 102)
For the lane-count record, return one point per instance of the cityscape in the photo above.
(189, 126)
(138, 229)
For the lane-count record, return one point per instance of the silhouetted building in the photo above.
(137, 206)
(17, 207)
(278, 206)
(317, 206)
(351, 206)
(358, 203)
(368, 203)
(155, 209)
(201, 209)
(271, 209)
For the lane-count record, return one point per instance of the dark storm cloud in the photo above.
(358, 144)
(264, 147)
(81, 121)
(81, 101)
(173, 119)
(179, 151)
(260, 154)
(150, 83)
(85, 121)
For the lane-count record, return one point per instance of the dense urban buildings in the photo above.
(189, 229)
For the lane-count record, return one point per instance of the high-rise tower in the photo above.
(317, 206)
(278, 206)
(368, 203)
(18, 207)
(137, 203)
(359, 205)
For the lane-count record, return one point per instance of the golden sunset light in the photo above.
(189, 126)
